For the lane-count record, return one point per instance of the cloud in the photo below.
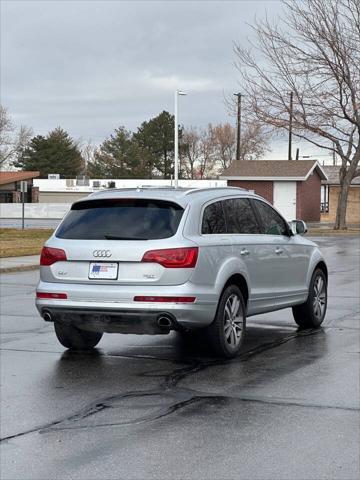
(175, 82)
(91, 66)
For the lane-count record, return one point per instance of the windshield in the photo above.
(121, 219)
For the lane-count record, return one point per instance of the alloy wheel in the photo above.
(233, 321)
(319, 300)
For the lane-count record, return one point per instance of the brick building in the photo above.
(10, 187)
(293, 187)
(330, 194)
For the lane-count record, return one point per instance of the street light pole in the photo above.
(238, 133)
(176, 139)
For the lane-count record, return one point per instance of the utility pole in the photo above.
(290, 125)
(238, 133)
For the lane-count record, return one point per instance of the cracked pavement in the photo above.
(144, 407)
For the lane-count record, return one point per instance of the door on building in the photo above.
(285, 199)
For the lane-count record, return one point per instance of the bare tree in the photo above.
(314, 53)
(190, 149)
(12, 140)
(207, 152)
(206, 166)
(198, 159)
(254, 141)
(224, 143)
(88, 152)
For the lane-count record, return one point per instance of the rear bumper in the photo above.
(112, 309)
(113, 321)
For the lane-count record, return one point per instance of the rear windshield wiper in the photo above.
(116, 237)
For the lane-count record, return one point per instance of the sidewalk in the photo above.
(19, 264)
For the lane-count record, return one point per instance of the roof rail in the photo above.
(157, 187)
(104, 190)
(138, 189)
(196, 190)
(186, 190)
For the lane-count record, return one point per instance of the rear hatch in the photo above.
(125, 241)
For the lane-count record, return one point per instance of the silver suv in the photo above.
(148, 261)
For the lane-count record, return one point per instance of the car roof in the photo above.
(182, 196)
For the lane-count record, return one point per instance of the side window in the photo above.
(271, 222)
(213, 219)
(240, 216)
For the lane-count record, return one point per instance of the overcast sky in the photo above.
(91, 66)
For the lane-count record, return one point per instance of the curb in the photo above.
(332, 234)
(21, 268)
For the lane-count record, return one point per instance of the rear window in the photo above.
(121, 219)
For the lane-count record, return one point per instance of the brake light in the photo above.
(52, 255)
(58, 296)
(165, 299)
(173, 257)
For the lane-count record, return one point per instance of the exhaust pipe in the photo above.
(164, 321)
(47, 316)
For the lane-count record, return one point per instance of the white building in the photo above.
(70, 190)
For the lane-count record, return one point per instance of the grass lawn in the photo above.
(15, 242)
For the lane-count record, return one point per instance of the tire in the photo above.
(76, 339)
(312, 313)
(227, 332)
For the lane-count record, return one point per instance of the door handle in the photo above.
(279, 251)
(244, 252)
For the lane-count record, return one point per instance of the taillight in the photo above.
(173, 257)
(58, 296)
(51, 255)
(165, 299)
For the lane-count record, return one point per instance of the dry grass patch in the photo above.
(16, 242)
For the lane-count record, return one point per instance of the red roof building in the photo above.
(293, 187)
(10, 187)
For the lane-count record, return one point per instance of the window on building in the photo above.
(324, 206)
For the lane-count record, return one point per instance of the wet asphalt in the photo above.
(159, 407)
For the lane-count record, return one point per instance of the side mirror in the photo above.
(298, 227)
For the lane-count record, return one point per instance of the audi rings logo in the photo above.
(102, 253)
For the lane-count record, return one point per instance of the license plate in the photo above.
(105, 271)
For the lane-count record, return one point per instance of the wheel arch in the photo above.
(316, 261)
(240, 281)
(322, 266)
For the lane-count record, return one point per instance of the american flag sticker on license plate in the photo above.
(107, 271)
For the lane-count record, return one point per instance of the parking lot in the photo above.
(158, 407)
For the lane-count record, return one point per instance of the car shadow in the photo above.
(159, 356)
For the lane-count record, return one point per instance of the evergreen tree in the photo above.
(118, 157)
(156, 140)
(55, 153)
